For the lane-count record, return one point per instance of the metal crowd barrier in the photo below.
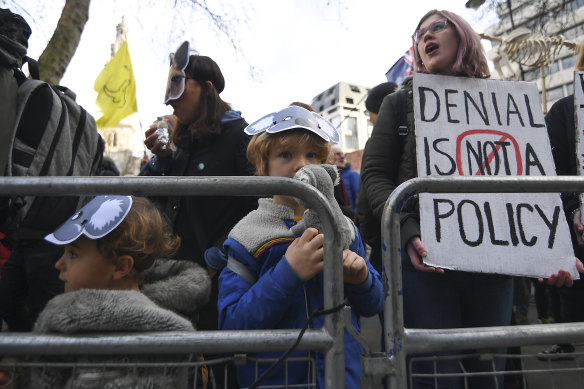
(328, 340)
(188, 370)
(402, 342)
(399, 341)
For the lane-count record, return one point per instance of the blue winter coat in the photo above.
(351, 179)
(279, 299)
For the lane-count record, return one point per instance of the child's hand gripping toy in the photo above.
(323, 178)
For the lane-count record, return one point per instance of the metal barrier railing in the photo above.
(401, 342)
(174, 372)
(329, 339)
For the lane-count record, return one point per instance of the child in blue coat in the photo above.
(282, 280)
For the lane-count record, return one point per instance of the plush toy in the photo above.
(323, 178)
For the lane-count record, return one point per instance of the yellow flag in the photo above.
(116, 89)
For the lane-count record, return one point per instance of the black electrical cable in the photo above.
(313, 315)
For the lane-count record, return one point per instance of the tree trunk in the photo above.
(63, 44)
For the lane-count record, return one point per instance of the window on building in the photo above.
(531, 74)
(569, 62)
(553, 68)
(320, 108)
(332, 110)
(333, 101)
(573, 32)
(570, 87)
(319, 97)
(354, 88)
(335, 121)
(351, 139)
(350, 100)
(554, 93)
(331, 90)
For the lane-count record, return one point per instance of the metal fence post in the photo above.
(401, 342)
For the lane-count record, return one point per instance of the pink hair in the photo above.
(470, 59)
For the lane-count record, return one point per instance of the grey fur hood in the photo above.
(180, 286)
(170, 296)
(102, 311)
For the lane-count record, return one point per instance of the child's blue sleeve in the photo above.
(260, 305)
(367, 298)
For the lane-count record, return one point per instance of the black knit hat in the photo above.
(203, 68)
(376, 95)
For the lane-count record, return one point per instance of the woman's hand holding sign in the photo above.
(417, 252)
(578, 227)
(563, 277)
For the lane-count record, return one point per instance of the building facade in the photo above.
(343, 104)
(550, 18)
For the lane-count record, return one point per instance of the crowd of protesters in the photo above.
(180, 263)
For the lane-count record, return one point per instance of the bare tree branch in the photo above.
(63, 44)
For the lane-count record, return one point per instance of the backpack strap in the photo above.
(33, 68)
(239, 268)
(403, 116)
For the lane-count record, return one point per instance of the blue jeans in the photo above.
(456, 300)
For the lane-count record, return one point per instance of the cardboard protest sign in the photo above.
(475, 127)
(579, 116)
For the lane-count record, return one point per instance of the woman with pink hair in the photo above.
(444, 44)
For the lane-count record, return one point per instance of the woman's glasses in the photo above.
(437, 26)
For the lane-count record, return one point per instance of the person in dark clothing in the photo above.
(109, 168)
(376, 96)
(369, 225)
(208, 140)
(444, 44)
(28, 277)
(561, 131)
(349, 176)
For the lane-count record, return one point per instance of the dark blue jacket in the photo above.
(351, 179)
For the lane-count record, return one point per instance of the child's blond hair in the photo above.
(258, 150)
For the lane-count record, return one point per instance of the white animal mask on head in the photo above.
(293, 117)
(95, 219)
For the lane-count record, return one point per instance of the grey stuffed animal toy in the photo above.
(323, 178)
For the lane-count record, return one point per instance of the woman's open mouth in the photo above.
(431, 48)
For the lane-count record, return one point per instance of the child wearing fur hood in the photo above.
(115, 282)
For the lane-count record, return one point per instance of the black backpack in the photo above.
(46, 133)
